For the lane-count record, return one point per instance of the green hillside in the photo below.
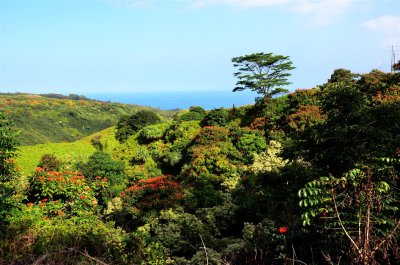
(68, 153)
(57, 118)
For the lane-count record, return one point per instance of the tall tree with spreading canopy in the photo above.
(264, 73)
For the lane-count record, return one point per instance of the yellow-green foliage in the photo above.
(68, 153)
(137, 158)
(268, 161)
(154, 132)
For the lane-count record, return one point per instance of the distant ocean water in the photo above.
(179, 100)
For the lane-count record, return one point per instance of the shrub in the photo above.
(8, 148)
(154, 132)
(129, 125)
(49, 162)
(268, 161)
(66, 191)
(212, 159)
(179, 137)
(211, 134)
(100, 164)
(8, 173)
(216, 117)
(195, 113)
(249, 144)
(61, 240)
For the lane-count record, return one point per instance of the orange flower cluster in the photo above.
(54, 173)
(98, 178)
(161, 182)
(77, 178)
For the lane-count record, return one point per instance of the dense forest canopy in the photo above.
(311, 177)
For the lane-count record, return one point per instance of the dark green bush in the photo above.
(195, 113)
(129, 125)
(49, 162)
(101, 164)
(216, 117)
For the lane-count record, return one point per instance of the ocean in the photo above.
(180, 100)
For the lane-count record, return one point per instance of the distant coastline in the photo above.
(179, 100)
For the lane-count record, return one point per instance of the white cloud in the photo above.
(321, 12)
(388, 28)
(388, 25)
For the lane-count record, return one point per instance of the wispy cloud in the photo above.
(130, 3)
(320, 12)
(388, 25)
(323, 12)
(239, 4)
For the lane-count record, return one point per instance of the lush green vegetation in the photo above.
(307, 178)
(57, 118)
(69, 153)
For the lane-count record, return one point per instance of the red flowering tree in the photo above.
(156, 193)
(67, 191)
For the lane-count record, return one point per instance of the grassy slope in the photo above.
(29, 156)
(43, 120)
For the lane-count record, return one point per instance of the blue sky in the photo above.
(96, 46)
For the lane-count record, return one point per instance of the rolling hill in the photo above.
(57, 118)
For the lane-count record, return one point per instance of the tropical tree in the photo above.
(263, 73)
(340, 75)
(8, 172)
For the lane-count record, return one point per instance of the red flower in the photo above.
(60, 213)
(39, 169)
(324, 214)
(29, 204)
(282, 229)
(83, 197)
(45, 200)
